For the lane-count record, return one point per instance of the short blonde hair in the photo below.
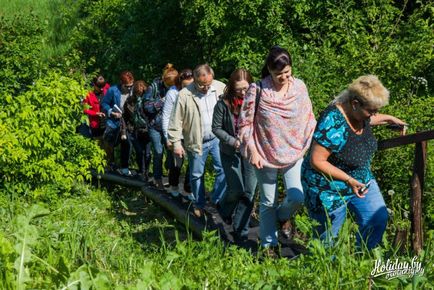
(368, 89)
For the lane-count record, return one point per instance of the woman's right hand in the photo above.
(256, 161)
(356, 186)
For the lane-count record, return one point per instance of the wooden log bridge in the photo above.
(181, 211)
(417, 179)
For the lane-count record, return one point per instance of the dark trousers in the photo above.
(141, 147)
(238, 198)
(175, 171)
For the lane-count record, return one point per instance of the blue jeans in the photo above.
(157, 150)
(269, 211)
(197, 171)
(371, 217)
(238, 198)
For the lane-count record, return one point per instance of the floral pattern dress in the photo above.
(350, 152)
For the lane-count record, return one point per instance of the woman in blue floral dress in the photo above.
(336, 175)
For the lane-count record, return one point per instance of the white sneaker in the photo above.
(174, 191)
(125, 172)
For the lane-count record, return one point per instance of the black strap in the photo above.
(258, 96)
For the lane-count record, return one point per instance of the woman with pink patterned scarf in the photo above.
(276, 126)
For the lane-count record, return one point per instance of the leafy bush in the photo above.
(20, 46)
(39, 149)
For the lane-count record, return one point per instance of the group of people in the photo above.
(255, 131)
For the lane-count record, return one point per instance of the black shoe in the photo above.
(226, 220)
(239, 238)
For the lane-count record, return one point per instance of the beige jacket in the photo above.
(186, 121)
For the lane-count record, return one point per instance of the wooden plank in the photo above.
(417, 184)
(405, 140)
(163, 199)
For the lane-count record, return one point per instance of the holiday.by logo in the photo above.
(395, 268)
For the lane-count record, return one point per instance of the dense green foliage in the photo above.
(58, 232)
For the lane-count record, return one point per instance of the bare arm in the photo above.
(319, 161)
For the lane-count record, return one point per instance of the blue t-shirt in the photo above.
(350, 152)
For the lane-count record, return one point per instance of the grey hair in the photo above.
(202, 68)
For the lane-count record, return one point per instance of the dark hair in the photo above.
(98, 81)
(126, 77)
(186, 74)
(237, 75)
(278, 58)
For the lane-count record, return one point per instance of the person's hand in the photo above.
(169, 144)
(256, 161)
(179, 151)
(401, 125)
(116, 115)
(237, 144)
(356, 186)
(100, 114)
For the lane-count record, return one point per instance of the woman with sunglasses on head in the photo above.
(276, 127)
(336, 174)
(175, 164)
(237, 201)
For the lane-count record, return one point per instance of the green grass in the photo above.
(120, 239)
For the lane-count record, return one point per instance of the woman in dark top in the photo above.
(131, 135)
(336, 175)
(240, 176)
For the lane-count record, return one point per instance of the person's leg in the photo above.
(329, 224)
(220, 180)
(170, 164)
(267, 183)
(157, 146)
(148, 155)
(371, 216)
(138, 148)
(125, 154)
(228, 202)
(187, 179)
(197, 170)
(294, 198)
(245, 204)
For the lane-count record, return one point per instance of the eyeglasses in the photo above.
(371, 112)
(203, 87)
(240, 90)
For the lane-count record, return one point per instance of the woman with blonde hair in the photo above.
(152, 106)
(336, 175)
